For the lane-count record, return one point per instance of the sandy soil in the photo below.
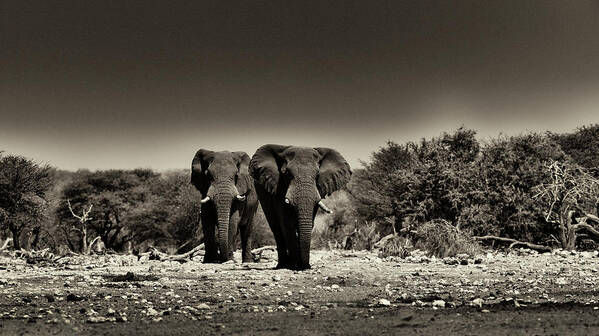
(345, 293)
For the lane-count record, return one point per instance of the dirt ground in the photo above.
(345, 293)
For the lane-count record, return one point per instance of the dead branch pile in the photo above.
(35, 257)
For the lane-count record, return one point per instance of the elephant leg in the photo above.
(233, 224)
(245, 231)
(246, 249)
(282, 255)
(289, 229)
(208, 227)
(274, 221)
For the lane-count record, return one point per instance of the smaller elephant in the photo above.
(291, 183)
(229, 202)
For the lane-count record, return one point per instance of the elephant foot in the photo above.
(211, 261)
(301, 267)
(223, 260)
(248, 258)
(283, 265)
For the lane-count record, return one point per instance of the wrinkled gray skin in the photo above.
(290, 182)
(222, 176)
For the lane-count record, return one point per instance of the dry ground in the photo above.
(345, 293)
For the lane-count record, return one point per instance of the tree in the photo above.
(570, 198)
(407, 185)
(81, 226)
(117, 195)
(23, 188)
(581, 146)
(510, 170)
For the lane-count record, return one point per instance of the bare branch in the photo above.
(5, 245)
(85, 216)
(73, 213)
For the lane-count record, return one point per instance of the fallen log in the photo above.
(156, 254)
(257, 253)
(196, 251)
(514, 243)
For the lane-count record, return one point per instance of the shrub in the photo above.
(441, 239)
(396, 246)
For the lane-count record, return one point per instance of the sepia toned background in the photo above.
(116, 84)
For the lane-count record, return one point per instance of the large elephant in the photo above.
(291, 182)
(229, 202)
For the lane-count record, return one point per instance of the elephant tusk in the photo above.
(287, 200)
(205, 199)
(240, 197)
(324, 207)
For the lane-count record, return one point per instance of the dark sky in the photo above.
(124, 84)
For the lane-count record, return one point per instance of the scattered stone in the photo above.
(438, 304)
(478, 302)
(384, 302)
(451, 261)
(151, 312)
(74, 298)
(203, 306)
(100, 319)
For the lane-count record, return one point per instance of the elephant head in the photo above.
(223, 179)
(297, 179)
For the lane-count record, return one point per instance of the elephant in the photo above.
(290, 183)
(229, 202)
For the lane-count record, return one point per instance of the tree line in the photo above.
(541, 188)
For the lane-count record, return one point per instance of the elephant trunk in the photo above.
(305, 224)
(223, 210)
(223, 200)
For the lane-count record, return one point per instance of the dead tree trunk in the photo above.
(83, 219)
(568, 233)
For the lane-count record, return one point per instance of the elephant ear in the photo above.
(265, 165)
(334, 171)
(244, 181)
(199, 165)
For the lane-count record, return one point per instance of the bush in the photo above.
(441, 239)
(397, 247)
